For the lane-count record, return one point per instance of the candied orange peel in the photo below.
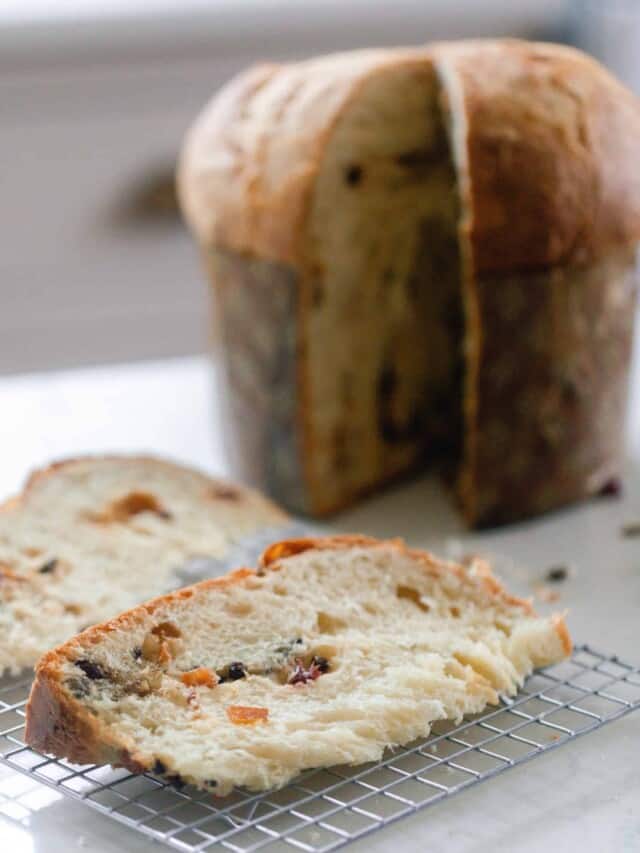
(242, 715)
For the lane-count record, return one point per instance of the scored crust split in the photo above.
(333, 650)
(423, 254)
(89, 538)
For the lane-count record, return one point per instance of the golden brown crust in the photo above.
(481, 569)
(552, 141)
(291, 547)
(58, 723)
(94, 634)
(248, 167)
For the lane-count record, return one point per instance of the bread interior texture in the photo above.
(249, 680)
(91, 537)
(384, 362)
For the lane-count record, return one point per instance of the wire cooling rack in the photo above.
(325, 809)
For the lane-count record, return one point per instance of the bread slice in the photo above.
(89, 538)
(331, 651)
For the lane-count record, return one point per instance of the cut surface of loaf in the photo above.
(423, 253)
(333, 650)
(91, 537)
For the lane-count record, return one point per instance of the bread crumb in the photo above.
(558, 573)
(630, 529)
(545, 594)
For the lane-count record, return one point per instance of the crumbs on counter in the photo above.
(545, 588)
(545, 593)
(630, 529)
(611, 489)
(557, 573)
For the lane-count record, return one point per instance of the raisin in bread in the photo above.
(423, 254)
(91, 537)
(333, 650)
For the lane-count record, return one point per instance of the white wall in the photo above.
(89, 108)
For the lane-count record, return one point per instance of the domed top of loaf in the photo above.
(545, 142)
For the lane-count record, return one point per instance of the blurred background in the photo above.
(95, 96)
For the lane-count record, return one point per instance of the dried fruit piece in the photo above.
(162, 643)
(147, 683)
(233, 672)
(611, 489)
(166, 629)
(411, 594)
(7, 573)
(200, 677)
(48, 567)
(91, 669)
(122, 509)
(150, 647)
(320, 663)
(236, 671)
(242, 715)
(302, 674)
(164, 653)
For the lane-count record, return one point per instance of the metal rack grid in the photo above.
(325, 809)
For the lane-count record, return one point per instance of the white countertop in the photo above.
(583, 796)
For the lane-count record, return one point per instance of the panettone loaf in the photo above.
(333, 650)
(418, 254)
(91, 537)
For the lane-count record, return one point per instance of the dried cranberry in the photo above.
(611, 489)
(92, 670)
(299, 675)
(302, 674)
